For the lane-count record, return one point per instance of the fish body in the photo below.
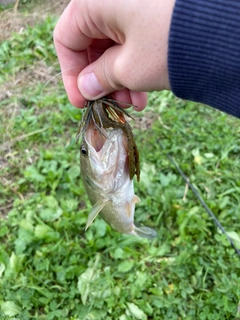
(106, 113)
(105, 173)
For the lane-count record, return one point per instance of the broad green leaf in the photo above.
(27, 224)
(74, 172)
(50, 202)
(4, 256)
(51, 214)
(10, 308)
(25, 237)
(3, 231)
(136, 311)
(235, 237)
(224, 202)
(209, 155)
(32, 173)
(141, 278)
(46, 233)
(15, 264)
(97, 315)
(166, 179)
(87, 278)
(101, 228)
(2, 268)
(125, 266)
(118, 253)
(148, 172)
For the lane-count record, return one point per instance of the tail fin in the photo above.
(144, 232)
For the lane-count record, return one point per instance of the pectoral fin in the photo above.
(144, 232)
(128, 205)
(97, 207)
(136, 199)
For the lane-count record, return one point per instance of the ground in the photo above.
(15, 84)
(50, 268)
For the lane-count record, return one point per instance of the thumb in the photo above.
(101, 77)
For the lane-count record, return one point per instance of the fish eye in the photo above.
(83, 151)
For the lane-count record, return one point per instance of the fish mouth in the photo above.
(95, 137)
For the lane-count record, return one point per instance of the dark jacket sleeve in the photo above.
(204, 53)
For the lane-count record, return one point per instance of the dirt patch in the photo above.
(145, 122)
(6, 1)
(39, 72)
(11, 21)
(12, 90)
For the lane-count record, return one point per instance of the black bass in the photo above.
(106, 113)
(105, 172)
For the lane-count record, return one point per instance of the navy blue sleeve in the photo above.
(204, 53)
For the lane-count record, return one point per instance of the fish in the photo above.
(105, 173)
(107, 113)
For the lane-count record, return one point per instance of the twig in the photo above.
(6, 184)
(162, 124)
(6, 207)
(211, 214)
(16, 6)
(5, 144)
(17, 193)
(185, 192)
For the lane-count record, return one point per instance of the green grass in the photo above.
(49, 267)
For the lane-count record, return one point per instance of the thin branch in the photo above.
(211, 214)
(24, 136)
(16, 6)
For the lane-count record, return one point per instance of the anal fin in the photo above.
(97, 207)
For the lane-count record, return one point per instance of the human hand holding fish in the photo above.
(103, 52)
(114, 46)
(109, 159)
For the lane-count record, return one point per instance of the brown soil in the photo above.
(16, 20)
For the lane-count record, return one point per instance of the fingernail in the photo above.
(89, 86)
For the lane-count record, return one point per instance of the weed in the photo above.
(49, 267)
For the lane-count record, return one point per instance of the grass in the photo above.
(49, 267)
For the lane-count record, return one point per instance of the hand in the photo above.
(115, 46)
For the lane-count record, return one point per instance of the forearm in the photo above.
(204, 53)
